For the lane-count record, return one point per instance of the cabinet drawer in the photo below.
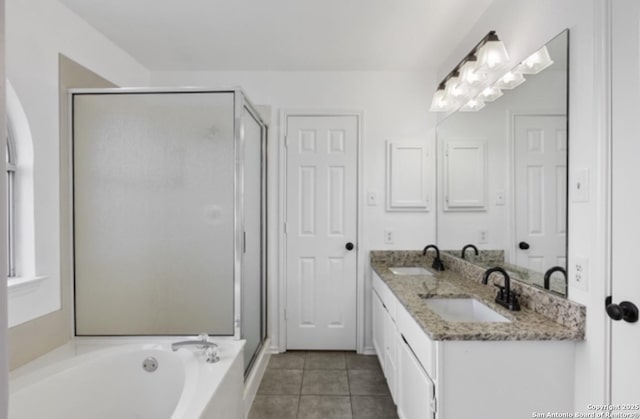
(386, 296)
(420, 343)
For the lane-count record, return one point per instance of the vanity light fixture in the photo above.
(490, 93)
(440, 101)
(479, 67)
(456, 89)
(492, 55)
(510, 80)
(536, 62)
(468, 74)
(473, 105)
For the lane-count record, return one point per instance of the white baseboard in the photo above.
(255, 376)
(369, 350)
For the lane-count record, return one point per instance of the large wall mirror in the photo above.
(502, 177)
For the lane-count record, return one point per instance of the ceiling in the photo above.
(283, 35)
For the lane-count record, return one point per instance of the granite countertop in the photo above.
(525, 324)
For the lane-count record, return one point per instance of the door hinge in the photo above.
(434, 405)
(285, 314)
(244, 242)
(286, 141)
(285, 227)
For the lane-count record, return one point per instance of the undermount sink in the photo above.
(409, 270)
(464, 310)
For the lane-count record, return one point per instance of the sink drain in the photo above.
(150, 364)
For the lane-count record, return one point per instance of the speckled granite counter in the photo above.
(525, 324)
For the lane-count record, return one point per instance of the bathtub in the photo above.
(105, 379)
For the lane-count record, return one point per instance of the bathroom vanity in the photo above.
(473, 360)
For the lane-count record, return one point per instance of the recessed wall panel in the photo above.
(535, 140)
(561, 200)
(336, 141)
(307, 141)
(535, 199)
(561, 140)
(307, 300)
(336, 277)
(336, 201)
(307, 203)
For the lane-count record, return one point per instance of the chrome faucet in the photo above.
(504, 297)
(437, 263)
(550, 271)
(210, 348)
(469, 246)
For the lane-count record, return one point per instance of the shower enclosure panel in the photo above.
(169, 211)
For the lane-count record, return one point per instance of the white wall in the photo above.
(524, 26)
(395, 105)
(37, 31)
(4, 387)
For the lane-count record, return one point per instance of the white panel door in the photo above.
(321, 218)
(625, 336)
(540, 190)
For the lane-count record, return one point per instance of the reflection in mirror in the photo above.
(502, 176)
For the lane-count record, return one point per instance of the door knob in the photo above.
(349, 246)
(626, 311)
(523, 245)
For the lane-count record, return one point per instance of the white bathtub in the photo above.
(105, 379)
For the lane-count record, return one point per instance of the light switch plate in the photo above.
(372, 199)
(580, 185)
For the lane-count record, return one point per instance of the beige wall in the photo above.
(36, 337)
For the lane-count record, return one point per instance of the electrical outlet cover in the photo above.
(580, 271)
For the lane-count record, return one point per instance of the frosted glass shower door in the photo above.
(253, 284)
(154, 213)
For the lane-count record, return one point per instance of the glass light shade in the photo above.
(469, 76)
(441, 102)
(456, 89)
(489, 94)
(536, 62)
(510, 80)
(492, 57)
(473, 105)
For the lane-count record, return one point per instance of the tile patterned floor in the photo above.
(323, 385)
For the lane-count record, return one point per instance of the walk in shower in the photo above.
(169, 214)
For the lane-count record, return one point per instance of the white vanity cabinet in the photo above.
(416, 392)
(385, 334)
(458, 379)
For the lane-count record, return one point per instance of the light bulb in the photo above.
(469, 75)
(473, 105)
(440, 102)
(492, 56)
(510, 80)
(536, 62)
(489, 94)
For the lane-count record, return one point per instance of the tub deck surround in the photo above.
(105, 378)
(543, 315)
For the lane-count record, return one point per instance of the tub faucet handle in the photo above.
(212, 354)
(203, 337)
